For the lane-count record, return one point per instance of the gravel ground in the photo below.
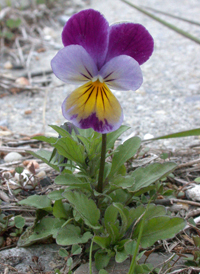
(167, 102)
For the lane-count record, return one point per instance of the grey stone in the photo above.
(12, 156)
(37, 258)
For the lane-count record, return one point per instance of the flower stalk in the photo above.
(102, 164)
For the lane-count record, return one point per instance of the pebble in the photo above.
(22, 81)
(193, 193)
(28, 112)
(148, 136)
(41, 174)
(4, 196)
(49, 33)
(12, 156)
(8, 65)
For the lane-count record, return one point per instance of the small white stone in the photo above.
(160, 112)
(148, 136)
(41, 174)
(8, 65)
(194, 193)
(12, 156)
(49, 32)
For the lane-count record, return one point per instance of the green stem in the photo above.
(133, 261)
(102, 164)
(90, 256)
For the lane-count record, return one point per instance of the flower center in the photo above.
(96, 78)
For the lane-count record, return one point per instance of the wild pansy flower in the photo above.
(99, 57)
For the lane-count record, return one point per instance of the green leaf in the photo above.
(124, 212)
(38, 201)
(122, 181)
(143, 268)
(103, 271)
(159, 228)
(61, 131)
(102, 259)
(19, 221)
(197, 180)
(103, 242)
(86, 132)
(63, 252)
(69, 262)
(113, 136)
(187, 133)
(56, 195)
(130, 247)
(153, 211)
(95, 148)
(46, 228)
(71, 234)
(110, 215)
(86, 142)
(110, 222)
(7, 34)
(59, 210)
(19, 169)
(123, 153)
(49, 140)
(76, 249)
(45, 156)
(120, 195)
(85, 207)
(144, 176)
(196, 240)
(72, 181)
(121, 256)
(71, 149)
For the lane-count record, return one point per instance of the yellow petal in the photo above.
(93, 105)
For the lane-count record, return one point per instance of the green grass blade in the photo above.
(174, 16)
(187, 133)
(165, 23)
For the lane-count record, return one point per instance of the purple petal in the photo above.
(99, 126)
(89, 29)
(122, 72)
(130, 39)
(93, 106)
(73, 64)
